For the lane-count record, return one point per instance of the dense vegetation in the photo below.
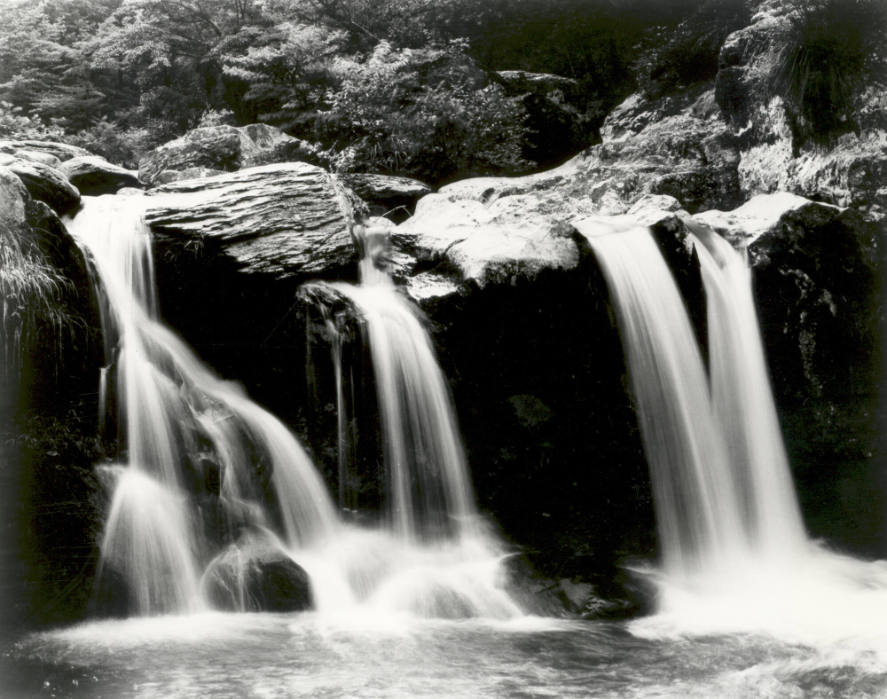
(397, 86)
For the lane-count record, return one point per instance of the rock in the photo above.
(94, 175)
(44, 183)
(283, 220)
(61, 151)
(486, 244)
(256, 575)
(387, 194)
(775, 154)
(224, 148)
(189, 173)
(557, 115)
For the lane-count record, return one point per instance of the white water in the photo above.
(180, 423)
(434, 557)
(694, 489)
(773, 581)
(743, 403)
(168, 406)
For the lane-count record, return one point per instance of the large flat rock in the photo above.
(284, 219)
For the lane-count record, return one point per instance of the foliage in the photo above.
(688, 53)
(834, 47)
(286, 71)
(116, 143)
(31, 299)
(425, 113)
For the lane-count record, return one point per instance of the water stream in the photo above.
(415, 606)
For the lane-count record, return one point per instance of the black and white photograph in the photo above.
(458, 349)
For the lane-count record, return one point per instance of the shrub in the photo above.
(114, 142)
(31, 299)
(428, 113)
(835, 46)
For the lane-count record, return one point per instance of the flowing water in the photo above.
(748, 607)
(188, 502)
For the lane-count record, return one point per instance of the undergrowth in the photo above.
(32, 302)
(835, 47)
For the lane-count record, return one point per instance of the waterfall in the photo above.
(188, 502)
(440, 560)
(191, 443)
(694, 487)
(743, 401)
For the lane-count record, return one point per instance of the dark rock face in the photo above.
(224, 148)
(230, 254)
(94, 175)
(556, 114)
(44, 183)
(282, 220)
(51, 355)
(253, 576)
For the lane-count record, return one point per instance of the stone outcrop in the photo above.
(283, 220)
(253, 575)
(44, 182)
(93, 175)
(50, 354)
(848, 172)
(469, 242)
(224, 148)
(45, 151)
(557, 114)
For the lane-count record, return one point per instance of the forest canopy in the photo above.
(400, 86)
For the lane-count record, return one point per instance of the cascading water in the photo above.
(693, 486)
(445, 564)
(190, 495)
(743, 402)
(191, 440)
(768, 578)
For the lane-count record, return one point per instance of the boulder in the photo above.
(283, 220)
(388, 195)
(94, 175)
(255, 575)
(557, 115)
(479, 244)
(61, 151)
(44, 183)
(224, 148)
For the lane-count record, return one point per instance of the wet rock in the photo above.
(388, 195)
(94, 175)
(256, 575)
(485, 244)
(44, 183)
(283, 220)
(224, 148)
